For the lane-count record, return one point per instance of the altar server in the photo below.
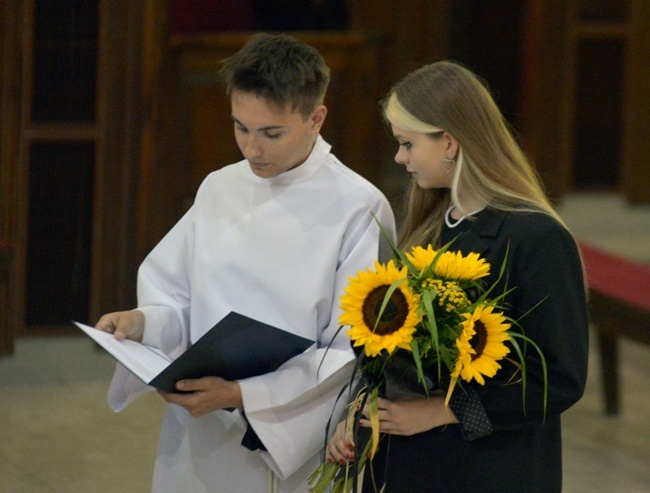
(273, 237)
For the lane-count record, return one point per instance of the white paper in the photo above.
(144, 361)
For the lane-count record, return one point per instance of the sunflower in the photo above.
(481, 344)
(451, 265)
(362, 303)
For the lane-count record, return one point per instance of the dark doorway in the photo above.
(487, 38)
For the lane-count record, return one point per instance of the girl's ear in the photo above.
(452, 145)
(317, 118)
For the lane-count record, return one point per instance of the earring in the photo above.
(448, 160)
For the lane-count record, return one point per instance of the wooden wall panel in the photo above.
(635, 159)
(552, 106)
(544, 58)
(10, 47)
(351, 98)
(6, 335)
(414, 34)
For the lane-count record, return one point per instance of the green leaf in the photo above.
(384, 303)
(418, 364)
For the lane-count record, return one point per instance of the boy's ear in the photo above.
(317, 118)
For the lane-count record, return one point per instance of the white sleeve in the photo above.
(289, 408)
(163, 297)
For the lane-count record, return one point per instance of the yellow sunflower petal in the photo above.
(420, 257)
(452, 265)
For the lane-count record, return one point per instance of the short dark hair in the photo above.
(280, 69)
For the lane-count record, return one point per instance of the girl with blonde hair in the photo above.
(473, 186)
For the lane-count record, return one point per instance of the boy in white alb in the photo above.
(273, 237)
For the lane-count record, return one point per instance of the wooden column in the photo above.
(544, 73)
(635, 159)
(10, 48)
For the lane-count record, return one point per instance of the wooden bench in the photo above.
(619, 297)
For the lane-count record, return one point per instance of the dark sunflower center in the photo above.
(479, 340)
(394, 314)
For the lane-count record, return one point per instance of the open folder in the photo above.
(236, 347)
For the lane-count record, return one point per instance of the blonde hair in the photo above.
(490, 165)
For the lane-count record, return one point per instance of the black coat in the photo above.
(524, 452)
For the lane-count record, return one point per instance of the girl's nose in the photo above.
(400, 157)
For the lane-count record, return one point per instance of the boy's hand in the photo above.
(124, 325)
(205, 395)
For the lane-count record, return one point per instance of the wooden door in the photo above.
(586, 105)
(72, 117)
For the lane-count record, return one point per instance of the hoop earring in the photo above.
(448, 160)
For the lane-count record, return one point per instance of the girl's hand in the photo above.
(410, 416)
(340, 448)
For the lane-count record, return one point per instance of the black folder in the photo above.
(236, 347)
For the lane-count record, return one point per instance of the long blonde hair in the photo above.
(490, 165)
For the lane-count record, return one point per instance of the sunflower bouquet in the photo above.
(423, 322)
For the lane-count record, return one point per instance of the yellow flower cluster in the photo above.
(450, 296)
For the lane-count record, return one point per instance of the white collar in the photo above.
(313, 162)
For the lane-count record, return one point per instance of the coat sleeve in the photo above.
(549, 302)
(290, 408)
